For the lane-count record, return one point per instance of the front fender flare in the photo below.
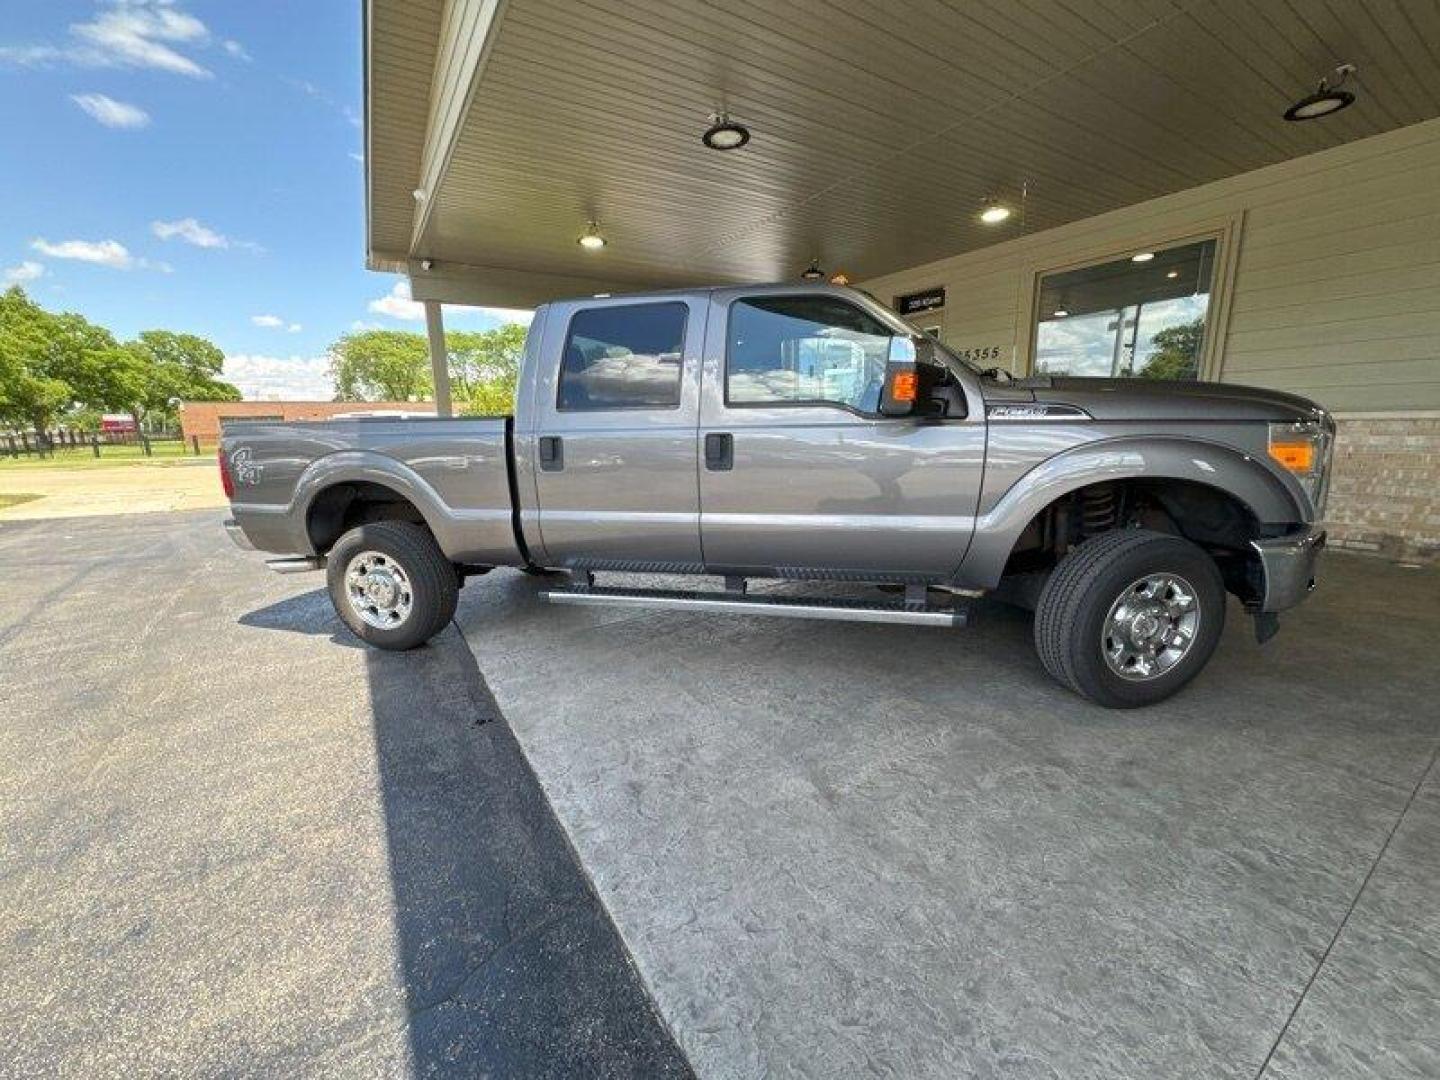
(1269, 496)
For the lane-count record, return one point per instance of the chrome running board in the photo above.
(784, 606)
(297, 564)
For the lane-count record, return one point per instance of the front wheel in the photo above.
(391, 584)
(1129, 617)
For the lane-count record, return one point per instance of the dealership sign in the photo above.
(917, 303)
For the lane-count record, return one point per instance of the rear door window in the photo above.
(623, 357)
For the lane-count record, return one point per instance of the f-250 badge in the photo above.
(243, 467)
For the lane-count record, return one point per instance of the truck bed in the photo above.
(458, 472)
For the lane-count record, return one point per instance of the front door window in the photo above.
(805, 350)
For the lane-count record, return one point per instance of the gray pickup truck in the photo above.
(808, 433)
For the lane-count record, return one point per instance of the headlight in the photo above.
(1303, 450)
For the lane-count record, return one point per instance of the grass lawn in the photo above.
(15, 498)
(83, 457)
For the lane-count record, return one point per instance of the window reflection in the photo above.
(623, 358)
(1126, 317)
(805, 350)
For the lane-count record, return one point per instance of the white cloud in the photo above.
(398, 305)
(191, 231)
(504, 314)
(235, 49)
(140, 33)
(112, 113)
(30, 55)
(270, 322)
(273, 378)
(198, 235)
(359, 326)
(358, 158)
(294, 328)
(28, 270)
(109, 253)
(124, 33)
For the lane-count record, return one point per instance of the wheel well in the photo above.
(1213, 519)
(337, 510)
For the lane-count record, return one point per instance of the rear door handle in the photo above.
(719, 451)
(552, 453)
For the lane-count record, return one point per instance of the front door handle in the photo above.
(719, 451)
(552, 453)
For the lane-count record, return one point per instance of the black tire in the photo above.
(434, 586)
(1077, 601)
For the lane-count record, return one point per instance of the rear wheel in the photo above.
(1129, 617)
(391, 584)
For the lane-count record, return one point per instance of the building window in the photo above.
(624, 358)
(805, 350)
(1138, 316)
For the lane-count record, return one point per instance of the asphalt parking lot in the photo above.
(235, 843)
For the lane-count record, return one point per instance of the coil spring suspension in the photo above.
(1099, 509)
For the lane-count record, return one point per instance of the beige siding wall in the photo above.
(1337, 277)
(1335, 295)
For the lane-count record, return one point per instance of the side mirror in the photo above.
(901, 392)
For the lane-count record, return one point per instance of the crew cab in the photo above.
(807, 432)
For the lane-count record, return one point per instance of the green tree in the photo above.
(165, 367)
(381, 365)
(485, 368)
(1177, 352)
(42, 359)
(63, 364)
(28, 393)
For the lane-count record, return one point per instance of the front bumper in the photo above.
(237, 535)
(1287, 565)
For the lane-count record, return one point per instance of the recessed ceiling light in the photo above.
(1144, 256)
(724, 134)
(813, 271)
(591, 240)
(1060, 313)
(993, 212)
(1173, 274)
(1328, 97)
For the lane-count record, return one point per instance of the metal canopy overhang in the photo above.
(878, 131)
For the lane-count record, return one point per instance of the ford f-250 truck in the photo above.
(807, 432)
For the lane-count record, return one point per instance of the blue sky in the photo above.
(196, 165)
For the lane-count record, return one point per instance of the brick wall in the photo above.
(203, 418)
(1385, 496)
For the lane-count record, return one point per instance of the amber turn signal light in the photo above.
(1298, 456)
(905, 386)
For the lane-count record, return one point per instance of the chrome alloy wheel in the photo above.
(378, 590)
(1150, 627)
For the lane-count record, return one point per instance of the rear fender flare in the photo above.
(1269, 496)
(365, 466)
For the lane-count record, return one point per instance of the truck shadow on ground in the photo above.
(510, 964)
(308, 613)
